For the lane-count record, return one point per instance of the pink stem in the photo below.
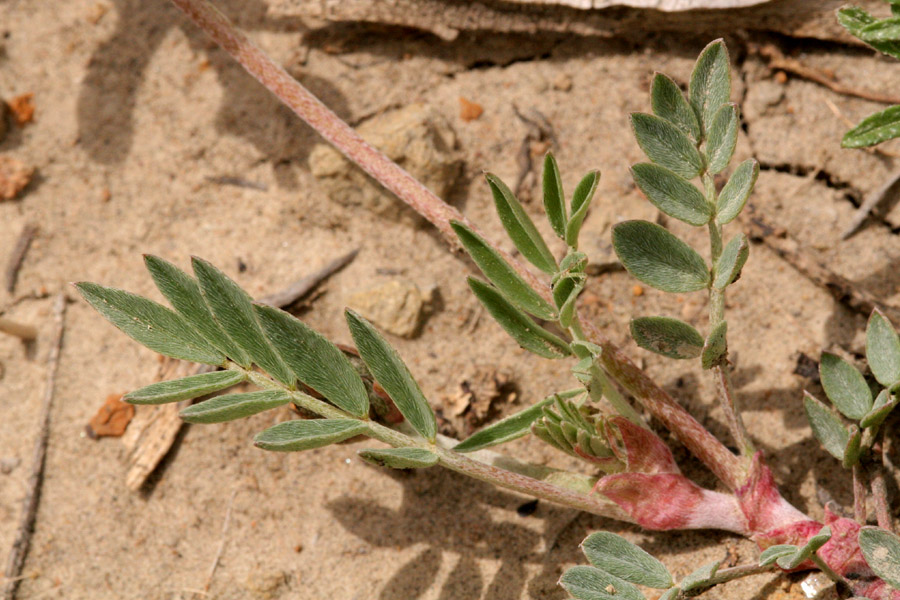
(309, 108)
(859, 494)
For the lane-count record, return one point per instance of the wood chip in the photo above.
(14, 177)
(22, 109)
(468, 110)
(112, 419)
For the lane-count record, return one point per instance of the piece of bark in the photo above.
(112, 419)
(606, 18)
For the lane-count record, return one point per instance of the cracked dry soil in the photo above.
(136, 110)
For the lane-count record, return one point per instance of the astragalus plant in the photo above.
(629, 472)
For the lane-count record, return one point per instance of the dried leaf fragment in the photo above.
(14, 177)
(112, 419)
(22, 108)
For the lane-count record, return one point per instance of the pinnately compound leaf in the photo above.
(619, 557)
(882, 551)
(517, 324)
(233, 309)
(390, 371)
(151, 324)
(710, 86)
(581, 201)
(845, 386)
(183, 292)
(306, 434)
(234, 406)
(883, 349)
(520, 227)
(501, 274)
(700, 577)
(721, 138)
(666, 145)
(874, 129)
(658, 258)
(186, 388)
(589, 583)
(827, 428)
(731, 261)
(314, 360)
(505, 430)
(670, 104)
(715, 347)
(667, 336)
(734, 195)
(672, 194)
(554, 199)
(400, 458)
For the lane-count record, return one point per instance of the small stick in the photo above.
(221, 549)
(879, 496)
(859, 494)
(29, 507)
(237, 182)
(869, 204)
(18, 256)
(22, 331)
(301, 288)
(778, 61)
(843, 290)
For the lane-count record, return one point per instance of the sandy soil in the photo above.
(136, 110)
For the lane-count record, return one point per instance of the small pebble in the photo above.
(9, 463)
(637, 291)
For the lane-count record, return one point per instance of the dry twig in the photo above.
(222, 540)
(870, 203)
(289, 296)
(18, 255)
(29, 506)
(22, 331)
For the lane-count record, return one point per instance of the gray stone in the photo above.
(416, 137)
(395, 307)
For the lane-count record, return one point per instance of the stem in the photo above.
(879, 488)
(716, 317)
(859, 494)
(732, 573)
(660, 404)
(830, 572)
(532, 480)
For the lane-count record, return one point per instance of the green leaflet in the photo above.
(501, 274)
(151, 324)
(517, 324)
(883, 349)
(390, 371)
(716, 346)
(183, 292)
(186, 388)
(505, 430)
(884, 404)
(874, 129)
(672, 194)
(589, 583)
(731, 261)
(734, 195)
(827, 428)
(882, 551)
(883, 30)
(666, 145)
(670, 104)
(400, 458)
(233, 309)
(520, 227)
(699, 578)
(234, 406)
(565, 294)
(853, 448)
(667, 336)
(855, 19)
(581, 202)
(619, 557)
(845, 386)
(306, 434)
(671, 594)
(658, 258)
(315, 360)
(710, 86)
(722, 138)
(554, 199)
(792, 560)
(773, 553)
